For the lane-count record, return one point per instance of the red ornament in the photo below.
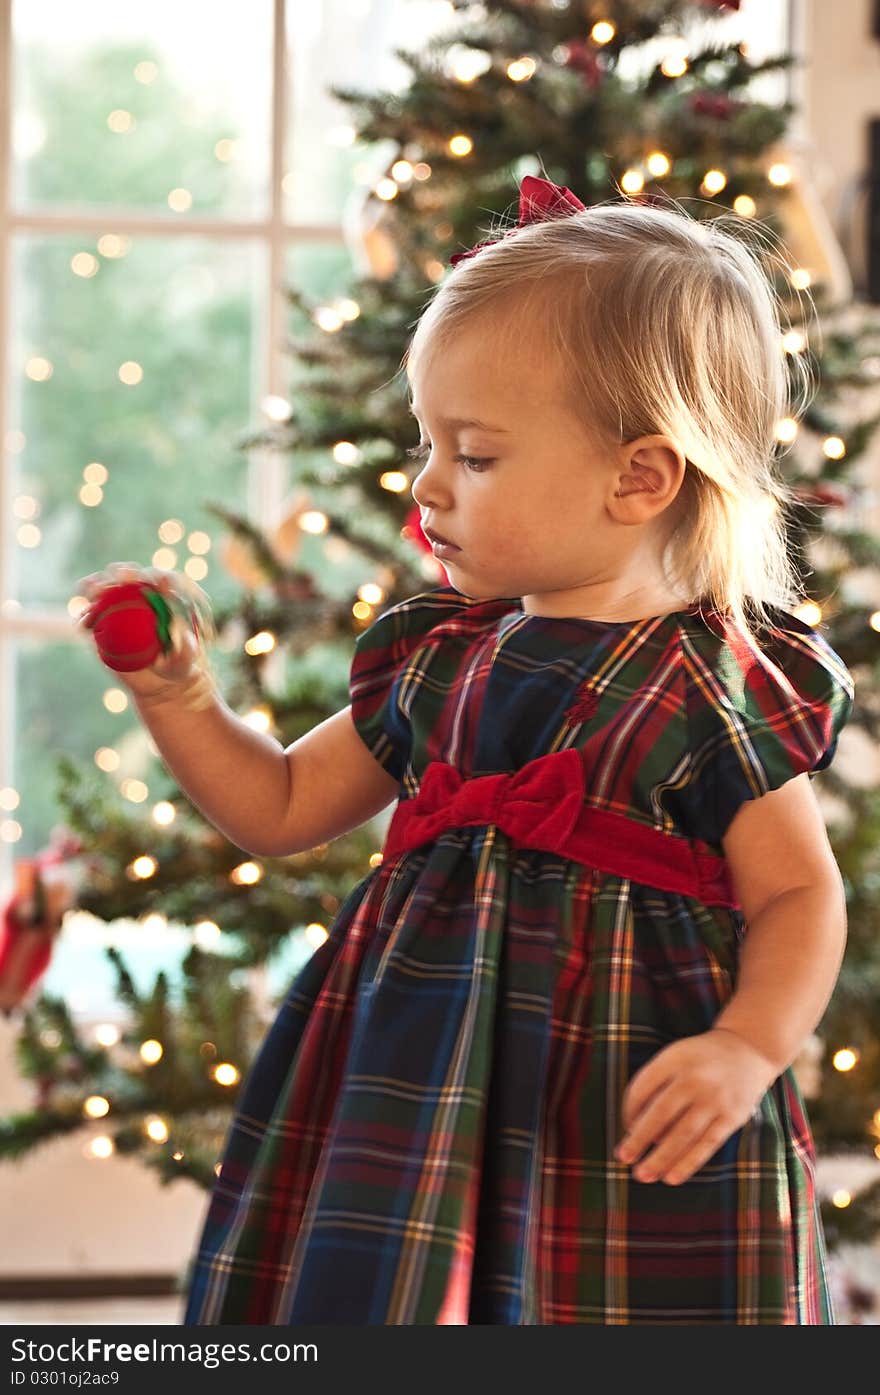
(130, 623)
(713, 104)
(584, 59)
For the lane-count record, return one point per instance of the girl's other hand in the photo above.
(686, 1102)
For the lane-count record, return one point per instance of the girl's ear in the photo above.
(650, 473)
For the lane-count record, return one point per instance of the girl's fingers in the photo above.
(94, 581)
(652, 1120)
(696, 1157)
(679, 1142)
(128, 571)
(114, 573)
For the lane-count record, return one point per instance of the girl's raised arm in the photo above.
(267, 800)
(270, 801)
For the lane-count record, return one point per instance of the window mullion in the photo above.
(266, 478)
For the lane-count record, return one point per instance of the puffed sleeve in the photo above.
(759, 713)
(388, 668)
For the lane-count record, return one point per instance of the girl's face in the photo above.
(538, 508)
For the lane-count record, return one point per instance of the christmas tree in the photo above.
(621, 100)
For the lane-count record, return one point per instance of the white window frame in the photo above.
(266, 475)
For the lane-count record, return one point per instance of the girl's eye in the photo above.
(474, 463)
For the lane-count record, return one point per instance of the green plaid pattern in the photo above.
(426, 1134)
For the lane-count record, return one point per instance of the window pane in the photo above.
(349, 44)
(132, 374)
(52, 681)
(65, 702)
(163, 106)
(323, 270)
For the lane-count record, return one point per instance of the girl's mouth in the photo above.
(442, 549)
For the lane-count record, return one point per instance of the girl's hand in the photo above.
(687, 1101)
(168, 672)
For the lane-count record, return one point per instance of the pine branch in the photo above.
(20, 1134)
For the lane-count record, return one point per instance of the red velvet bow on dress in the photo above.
(541, 805)
(537, 806)
(539, 199)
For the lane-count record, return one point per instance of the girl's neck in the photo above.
(620, 610)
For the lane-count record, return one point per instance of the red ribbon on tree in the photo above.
(539, 199)
(31, 920)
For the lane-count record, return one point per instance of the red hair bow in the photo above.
(539, 199)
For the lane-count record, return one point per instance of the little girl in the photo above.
(540, 1072)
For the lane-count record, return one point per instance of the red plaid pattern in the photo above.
(427, 1133)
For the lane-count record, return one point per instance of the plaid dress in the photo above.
(427, 1132)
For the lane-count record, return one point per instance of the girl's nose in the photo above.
(425, 489)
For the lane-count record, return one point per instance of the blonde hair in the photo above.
(662, 324)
